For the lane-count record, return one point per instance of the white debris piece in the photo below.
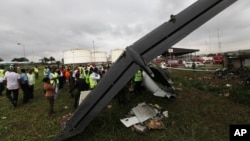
(130, 121)
(144, 112)
(145, 116)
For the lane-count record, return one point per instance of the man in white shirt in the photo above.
(12, 80)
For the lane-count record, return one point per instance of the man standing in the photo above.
(1, 80)
(79, 85)
(54, 79)
(12, 80)
(193, 65)
(138, 81)
(31, 83)
(24, 85)
(36, 71)
(93, 78)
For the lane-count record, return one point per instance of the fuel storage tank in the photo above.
(76, 56)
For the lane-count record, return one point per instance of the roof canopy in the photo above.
(179, 51)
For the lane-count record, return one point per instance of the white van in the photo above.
(189, 64)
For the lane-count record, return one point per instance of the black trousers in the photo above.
(25, 93)
(13, 99)
(1, 88)
(31, 91)
(61, 82)
(138, 87)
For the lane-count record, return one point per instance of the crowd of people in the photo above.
(12, 81)
(73, 79)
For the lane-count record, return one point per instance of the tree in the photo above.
(1, 60)
(22, 59)
(58, 63)
(44, 60)
(52, 59)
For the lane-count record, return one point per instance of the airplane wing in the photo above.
(137, 56)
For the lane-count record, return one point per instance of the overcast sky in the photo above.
(48, 27)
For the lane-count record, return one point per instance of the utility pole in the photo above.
(23, 48)
(94, 51)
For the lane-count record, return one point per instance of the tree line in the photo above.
(23, 59)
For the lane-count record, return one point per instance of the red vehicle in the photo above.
(217, 59)
(198, 59)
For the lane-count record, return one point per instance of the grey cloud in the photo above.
(48, 27)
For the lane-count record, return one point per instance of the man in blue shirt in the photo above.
(24, 85)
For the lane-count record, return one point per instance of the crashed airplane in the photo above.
(160, 85)
(138, 55)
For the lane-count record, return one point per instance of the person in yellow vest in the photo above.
(82, 76)
(86, 75)
(93, 78)
(31, 83)
(138, 81)
(45, 71)
(1, 79)
(54, 79)
(36, 71)
(81, 72)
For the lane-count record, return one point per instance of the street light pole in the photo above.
(94, 51)
(23, 48)
(73, 59)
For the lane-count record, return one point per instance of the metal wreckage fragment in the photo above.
(137, 56)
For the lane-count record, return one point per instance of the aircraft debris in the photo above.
(145, 117)
(136, 56)
(64, 120)
(4, 117)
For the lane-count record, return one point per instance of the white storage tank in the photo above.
(77, 56)
(115, 54)
(99, 57)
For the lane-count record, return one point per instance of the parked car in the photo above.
(189, 64)
(198, 64)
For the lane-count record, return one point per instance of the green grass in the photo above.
(200, 112)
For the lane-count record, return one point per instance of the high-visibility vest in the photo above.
(92, 83)
(138, 76)
(82, 72)
(1, 73)
(45, 71)
(86, 75)
(54, 75)
(36, 70)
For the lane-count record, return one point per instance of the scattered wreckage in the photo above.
(160, 85)
(145, 117)
(137, 56)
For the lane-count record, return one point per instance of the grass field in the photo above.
(201, 112)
